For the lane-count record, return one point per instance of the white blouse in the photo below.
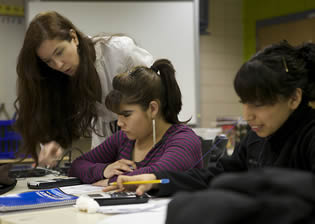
(114, 56)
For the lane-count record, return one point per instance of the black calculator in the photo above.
(119, 198)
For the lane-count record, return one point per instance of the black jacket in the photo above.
(247, 199)
(291, 146)
(260, 196)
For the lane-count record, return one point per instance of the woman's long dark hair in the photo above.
(51, 105)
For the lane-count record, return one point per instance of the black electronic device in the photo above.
(53, 183)
(4, 188)
(218, 149)
(22, 172)
(203, 16)
(119, 198)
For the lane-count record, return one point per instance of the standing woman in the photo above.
(63, 78)
(147, 102)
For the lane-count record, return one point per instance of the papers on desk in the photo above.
(117, 203)
(154, 212)
(81, 189)
(152, 205)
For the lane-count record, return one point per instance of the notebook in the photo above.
(36, 199)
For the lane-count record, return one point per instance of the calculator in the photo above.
(119, 198)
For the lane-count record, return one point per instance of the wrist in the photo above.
(105, 174)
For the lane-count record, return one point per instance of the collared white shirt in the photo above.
(114, 56)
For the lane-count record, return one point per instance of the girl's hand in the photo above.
(49, 154)
(119, 167)
(139, 189)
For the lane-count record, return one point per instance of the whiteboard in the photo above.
(167, 29)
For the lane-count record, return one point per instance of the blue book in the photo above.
(36, 199)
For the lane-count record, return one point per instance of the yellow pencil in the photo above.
(161, 181)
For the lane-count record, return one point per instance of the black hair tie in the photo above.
(156, 70)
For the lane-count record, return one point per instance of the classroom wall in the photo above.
(221, 55)
(11, 38)
(254, 10)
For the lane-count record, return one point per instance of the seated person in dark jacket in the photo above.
(275, 87)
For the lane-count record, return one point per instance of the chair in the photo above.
(213, 150)
(206, 147)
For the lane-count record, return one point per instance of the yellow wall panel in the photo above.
(254, 10)
(11, 10)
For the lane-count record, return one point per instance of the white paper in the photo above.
(151, 205)
(81, 189)
(153, 212)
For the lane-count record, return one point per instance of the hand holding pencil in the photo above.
(138, 183)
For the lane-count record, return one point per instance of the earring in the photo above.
(154, 134)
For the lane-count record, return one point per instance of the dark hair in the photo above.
(276, 72)
(142, 85)
(51, 105)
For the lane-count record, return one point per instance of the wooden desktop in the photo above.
(70, 214)
(58, 215)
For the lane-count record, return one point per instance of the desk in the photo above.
(56, 215)
(26, 160)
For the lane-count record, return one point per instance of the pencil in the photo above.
(161, 181)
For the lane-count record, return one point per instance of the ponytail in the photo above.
(142, 85)
(171, 96)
